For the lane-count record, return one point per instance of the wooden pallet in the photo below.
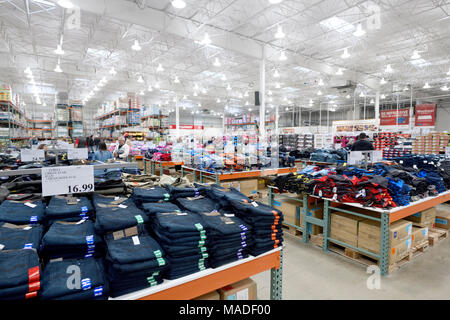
(292, 231)
(420, 248)
(316, 239)
(367, 259)
(436, 235)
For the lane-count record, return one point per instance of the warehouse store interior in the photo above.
(224, 149)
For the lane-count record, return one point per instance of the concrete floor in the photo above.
(309, 273)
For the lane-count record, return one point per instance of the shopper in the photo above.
(103, 154)
(43, 147)
(81, 142)
(363, 143)
(96, 143)
(122, 149)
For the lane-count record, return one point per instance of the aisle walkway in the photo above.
(308, 273)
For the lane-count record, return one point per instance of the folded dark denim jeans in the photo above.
(20, 290)
(172, 222)
(179, 192)
(152, 208)
(17, 212)
(18, 267)
(154, 194)
(219, 193)
(198, 205)
(14, 237)
(126, 268)
(124, 250)
(58, 209)
(56, 276)
(219, 224)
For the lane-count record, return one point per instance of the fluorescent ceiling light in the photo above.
(228, 87)
(276, 74)
(269, 92)
(426, 86)
(206, 39)
(382, 96)
(96, 88)
(218, 100)
(28, 70)
(280, 34)
(275, 1)
(113, 71)
(339, 72)
(337, 24)
(415, 55)
(444, 88)
(142, 92)
(282, 56)
(345, 55)
(157, 86)
(176, 80)
(66, 4)
(224, 77)
(217, 63)
(140, 79)
(136, 46)
(389, 69)
(58, 68)
(196, 87)
(372, 101)
(362, 95)
(319, 93)
(405, 88)
(359, 31)
(348, 96)
(383, 81)
(419, 63)
(321, 82)
(195, 94)
(448, 73)
(178, 4)
(160, 68)
(246, 94)
(150, 89)
(59, 50)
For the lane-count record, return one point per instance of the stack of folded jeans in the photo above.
(154, 194)
(135, 261)
(109, 186)
(72, 240)
(15, 237)
(184, 192)
(116, 213)
(22, 212)
(265, 222)
(68, 209)
(60, 283)
(184, 240)
(139, 181)
(198, 204)
(229, 238)
(223, 196)
(152, 208)
(20, 274)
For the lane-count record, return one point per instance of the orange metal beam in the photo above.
(201, 286)
(240, 175)
(400, 214)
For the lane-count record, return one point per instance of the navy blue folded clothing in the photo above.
(152, 208)
(60, 209)
(198, 205)
(71, 240)
(60, 279)
(137, 248)
(155, 194)
(19, 267)
(17, 291)
(101, 201)
(222, 225)
(179, 192)
(18, 212)
(172, 222)
(224, 196)
(15, 237)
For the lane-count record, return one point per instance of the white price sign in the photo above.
(77, 154)
(66, 180)
(29, 155)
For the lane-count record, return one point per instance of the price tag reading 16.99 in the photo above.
(81, 188)
(67, 180)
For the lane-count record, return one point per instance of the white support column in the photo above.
(177, 117)
(411, 109)
(396, 118)
(377, 107)
(262, 93)
(277, 119)
(320, 118)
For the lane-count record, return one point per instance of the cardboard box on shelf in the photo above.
(400, 251)
(213, 295)
(419, 235)
(442, 219)
(424, 218)
(289, 208)
(241, 290)
(249, 186)
(344, 227)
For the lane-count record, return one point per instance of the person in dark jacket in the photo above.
(363, 143)
(81, 143)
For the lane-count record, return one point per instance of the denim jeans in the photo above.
(198, 205)
(71, 241)
(19, 291)
(178, 192)
(123, 251)
(152, 208)
(20, 237)
(56, 278)
(179, 222)
(154, 194)
(19, 267)
(58, 209)
(19, 213)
